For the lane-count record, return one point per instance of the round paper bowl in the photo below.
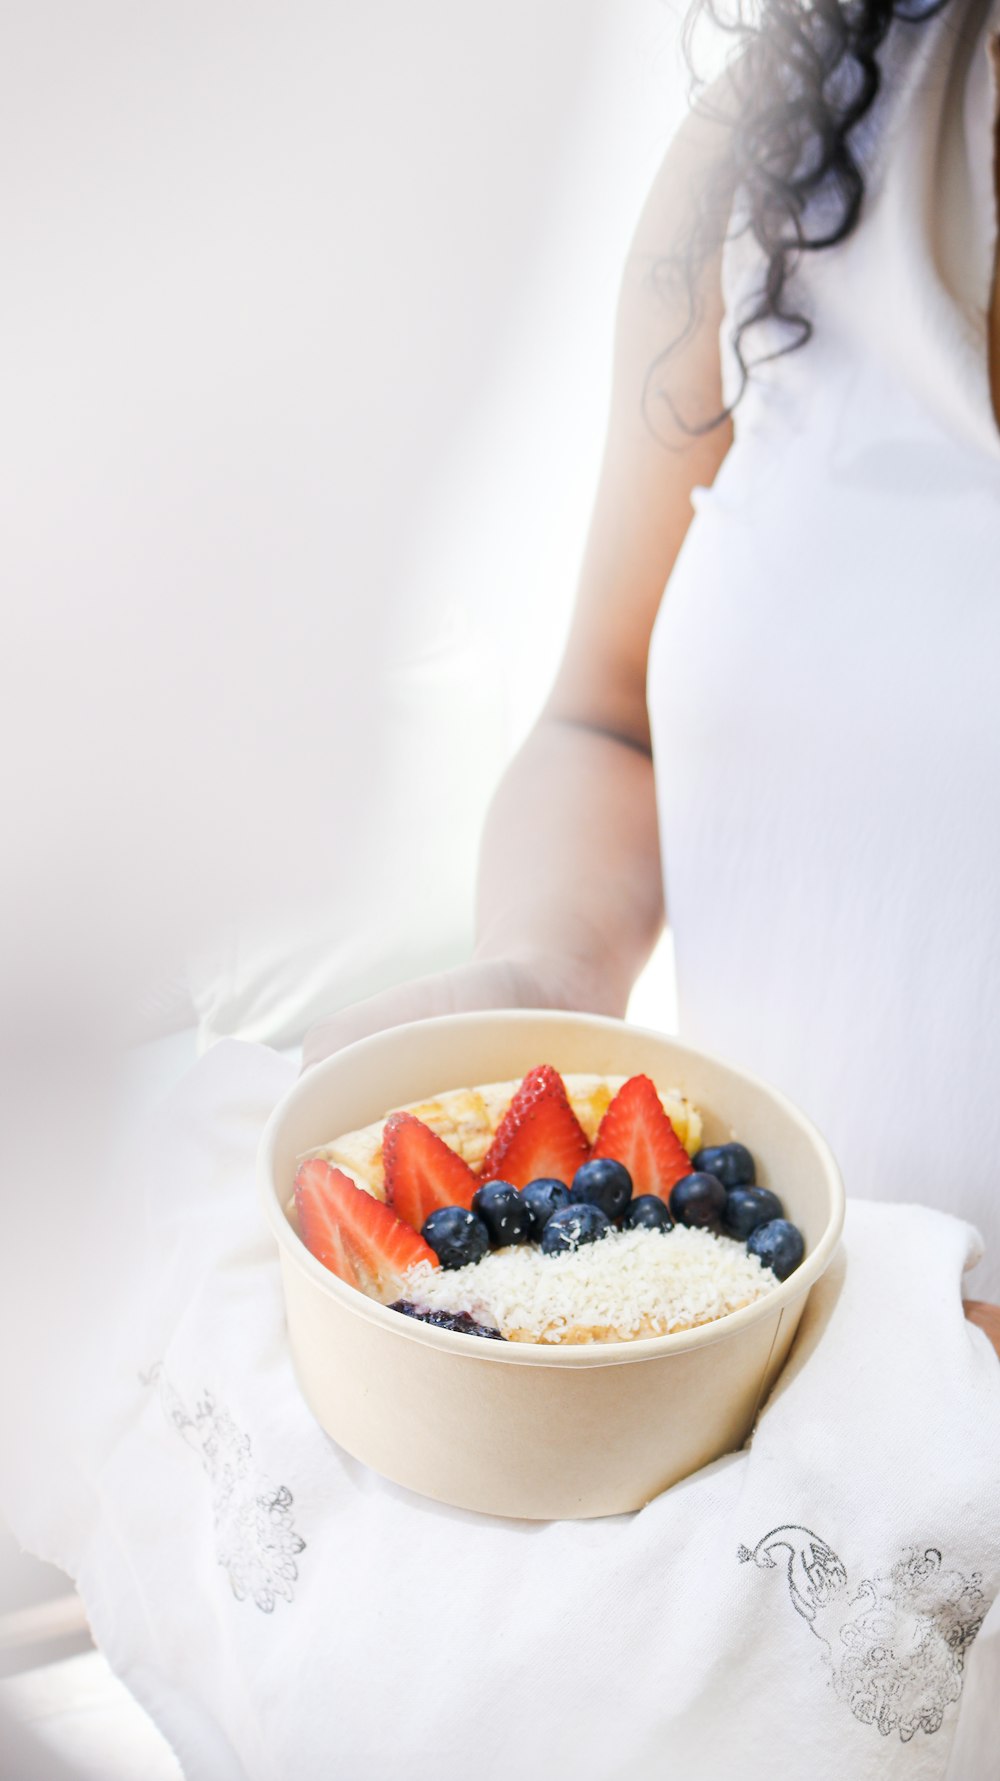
(531, 1429)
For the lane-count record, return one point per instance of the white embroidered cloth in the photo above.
(807, 1608)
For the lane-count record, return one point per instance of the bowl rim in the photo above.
(547, 1354)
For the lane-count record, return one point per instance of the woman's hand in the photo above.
(986, 1318)
(526, 981)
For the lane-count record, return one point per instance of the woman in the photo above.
(808, 359)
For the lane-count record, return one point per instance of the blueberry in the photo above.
(732, 1163)
(572, 1226)
(542, 1198)
(503, 1212)
(605, 1183)
(456, 1236)
(699, 1200)
(648, 1213)
(446, 1320)
(747, 1207)
(779, 1246)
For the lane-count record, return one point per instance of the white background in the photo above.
(305, 334)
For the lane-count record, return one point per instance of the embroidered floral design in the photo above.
(255, 1539)
(896, 1645)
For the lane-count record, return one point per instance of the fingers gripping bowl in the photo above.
(525, 1428)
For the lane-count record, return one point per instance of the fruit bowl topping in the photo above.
(453, 1245)
(538, 1135)
(542, 1198)
(503, 1212)
(459, 1321)
(698, 1199)
(352, 1233)
(574, 1225)
(603, 1182)
(636, 1131)
(732, 1163)
(456, 1236)
(422, 1172)
(778, 1245)
(747, 1207)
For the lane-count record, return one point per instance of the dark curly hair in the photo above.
(803, 75)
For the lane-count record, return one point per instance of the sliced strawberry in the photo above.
(353, 1234)
(636, 1131)
(538, 1135)
(542, 1080)
(422, 1172)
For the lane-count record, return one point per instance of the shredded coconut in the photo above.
(626, 1285)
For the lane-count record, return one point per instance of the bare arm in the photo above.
(570, 875)
(985, 1317)
(577, 896)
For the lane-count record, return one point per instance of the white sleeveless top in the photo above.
(824, 674)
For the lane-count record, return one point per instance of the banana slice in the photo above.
(467, 1119)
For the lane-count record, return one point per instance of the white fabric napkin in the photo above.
(805, 1608)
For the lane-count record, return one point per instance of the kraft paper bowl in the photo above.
(528, 1429)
